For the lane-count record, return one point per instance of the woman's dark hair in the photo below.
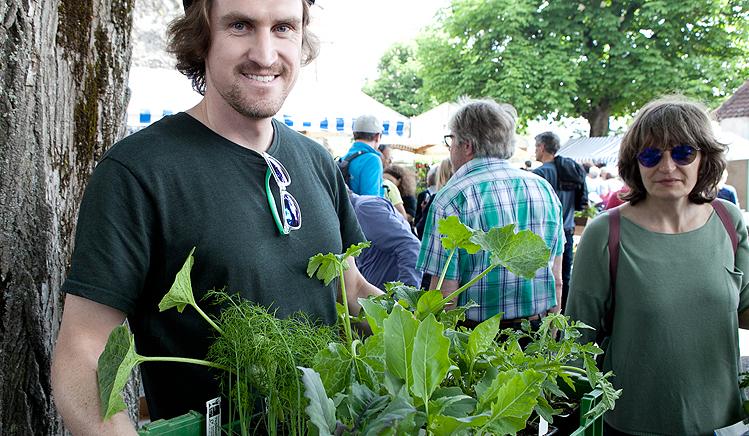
(190, 39)
(664, 123)
(406, 177)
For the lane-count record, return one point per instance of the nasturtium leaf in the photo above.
(114, 367)
(430, 360)
(326, 265)
(399, 330)
(512, 398)
(456, 235)
(482, 337)
(321, 409)
(521, 253)
(356, 249)
(375, 314)
(180, 294)
(430, 302)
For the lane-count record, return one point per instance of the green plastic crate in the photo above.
(189, 424)
(592, 426)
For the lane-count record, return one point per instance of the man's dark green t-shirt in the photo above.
(177, 185)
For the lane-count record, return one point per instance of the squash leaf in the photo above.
(355, 250)
(456, 235)
(430, 358)
(321, 409)
(180, 294)
(521, 253)
(114, 367)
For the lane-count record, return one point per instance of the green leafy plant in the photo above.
(590, 212)
(257, 354)
(419, 371)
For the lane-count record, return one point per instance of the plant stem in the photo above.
(344, 298)
(573, 369)
(207, 318)
(186, 360)
(444, 270)
(467, 285)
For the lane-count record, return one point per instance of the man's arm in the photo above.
(357, 287)
(556, 270)
(448, 287)
(83, 334)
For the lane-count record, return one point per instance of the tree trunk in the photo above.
(598, 118)
(62, 102)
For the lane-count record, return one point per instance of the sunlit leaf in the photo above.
(180, 294)
(399, 334)
(512, 398)
(430, 302)
(456, 235)
(521, 253)
(326, 265)
(430, 360)
(482, 337)
(356, 249)
(114, 367)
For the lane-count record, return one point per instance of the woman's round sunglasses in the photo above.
(682, 155)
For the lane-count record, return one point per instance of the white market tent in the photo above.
(603, 149)
(310, 107)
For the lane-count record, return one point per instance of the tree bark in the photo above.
(598, 118)
(63, 100)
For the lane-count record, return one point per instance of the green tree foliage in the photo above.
(399, 85)
(589, 58)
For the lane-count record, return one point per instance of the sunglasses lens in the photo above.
(291, 212)
(650, 156)
(683, 154)
(279, 171)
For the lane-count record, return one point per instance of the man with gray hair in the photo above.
(486, 191)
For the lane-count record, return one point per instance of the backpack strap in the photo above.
(725, 218)
(355, 155)
(614, 224)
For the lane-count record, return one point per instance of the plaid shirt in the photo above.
(485, 193)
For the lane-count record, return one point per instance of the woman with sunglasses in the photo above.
(680, 291)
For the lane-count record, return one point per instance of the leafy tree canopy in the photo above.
(398, 85)
(586, 58)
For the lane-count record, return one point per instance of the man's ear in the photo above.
(469, 150)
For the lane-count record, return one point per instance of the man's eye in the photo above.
(283, 28)
(238, 26)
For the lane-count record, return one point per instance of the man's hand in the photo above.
(357, 287)
(83, 334)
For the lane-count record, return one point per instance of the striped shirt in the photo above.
(486, 193)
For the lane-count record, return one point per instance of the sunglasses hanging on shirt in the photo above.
(292, 214)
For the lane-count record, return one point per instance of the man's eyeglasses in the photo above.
(682, 155)
(292, 215)
(448, 140)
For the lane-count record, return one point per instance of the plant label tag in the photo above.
(213, 417)
(543, 427)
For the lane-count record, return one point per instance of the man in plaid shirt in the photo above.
(486, 192)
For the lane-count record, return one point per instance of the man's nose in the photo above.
(263, 50)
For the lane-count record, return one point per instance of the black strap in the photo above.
(614, 224)
(351, 157)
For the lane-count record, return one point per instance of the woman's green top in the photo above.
(674, 343)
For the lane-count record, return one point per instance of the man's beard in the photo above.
(256, 109)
